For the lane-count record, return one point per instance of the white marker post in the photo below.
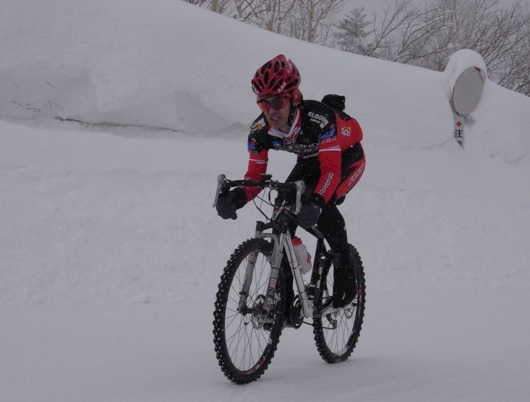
(465, 97)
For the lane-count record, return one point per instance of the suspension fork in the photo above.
(249, 272)
(281, 240)
(275, 261)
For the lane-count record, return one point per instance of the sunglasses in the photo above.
(276, 103)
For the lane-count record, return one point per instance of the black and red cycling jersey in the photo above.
(319, 134)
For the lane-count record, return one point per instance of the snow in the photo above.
(116, 118)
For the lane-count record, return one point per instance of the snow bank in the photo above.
(91, 217)
(160, 64)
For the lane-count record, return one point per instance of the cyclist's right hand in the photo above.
(228, 205)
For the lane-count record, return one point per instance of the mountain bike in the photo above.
(250, 308)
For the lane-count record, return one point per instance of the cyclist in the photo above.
(330, 159)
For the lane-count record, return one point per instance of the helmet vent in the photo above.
(277, 76)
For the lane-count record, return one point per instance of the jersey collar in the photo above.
(293, 132)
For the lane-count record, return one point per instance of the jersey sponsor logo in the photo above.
(258, 125)
(251, 146)
(318, 118)
(345, 131)
(327, 141)
(301, 149)
(326, 185)
(356, 175)
(326, 135)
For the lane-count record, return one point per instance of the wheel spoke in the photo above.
(336, 334)
(244, 344)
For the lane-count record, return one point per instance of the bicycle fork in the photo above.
(269, 298)
(282, 244)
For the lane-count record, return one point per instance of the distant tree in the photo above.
(424, 35)
(311, 20)
(352, 32)
(273, 16)
(308, 20)
(382, 40)
(195, 2)
(427, 36)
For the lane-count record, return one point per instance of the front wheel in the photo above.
(336, 334)
(246, 334)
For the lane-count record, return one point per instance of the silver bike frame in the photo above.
(282, 243)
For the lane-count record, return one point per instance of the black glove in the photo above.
(310, 211)
(229, 204)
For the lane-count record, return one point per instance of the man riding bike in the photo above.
(330, 159)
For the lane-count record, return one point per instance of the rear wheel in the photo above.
(246, 337)
(336, 334)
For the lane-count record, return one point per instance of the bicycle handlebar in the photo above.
(224, 185)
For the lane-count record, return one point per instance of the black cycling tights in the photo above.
(333, 227)
(331, 224)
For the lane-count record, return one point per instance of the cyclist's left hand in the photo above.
(229, 204)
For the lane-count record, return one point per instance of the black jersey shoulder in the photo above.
(317, 115)
(258, 138)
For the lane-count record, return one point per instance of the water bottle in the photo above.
(303, 256)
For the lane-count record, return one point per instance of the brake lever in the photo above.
(221, 187)
(300, 188)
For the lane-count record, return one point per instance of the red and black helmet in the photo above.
(278, 76)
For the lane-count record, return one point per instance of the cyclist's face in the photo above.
(276, 110)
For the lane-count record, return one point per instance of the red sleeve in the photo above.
(349, 132)
(329, 155)
(331, 145)
(257, 165)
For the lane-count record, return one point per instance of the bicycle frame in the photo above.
(254, 300)
(284, 246)
(278, 231)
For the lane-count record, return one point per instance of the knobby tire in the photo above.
(245, 340)
(337, 334)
